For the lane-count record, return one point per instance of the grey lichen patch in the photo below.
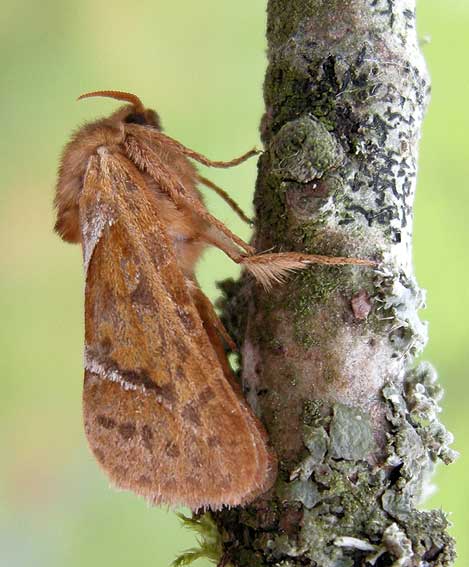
(417, 439)
(399, 299)
(398, 545)
(349, 508)
(318, 537)
(316, 441)
(344, 496)
(431, 543)
(354, 513)
(282, 545)
(303, 150)
(304, 491)
(351, 434)
(422, 393)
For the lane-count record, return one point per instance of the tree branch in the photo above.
(328, 359)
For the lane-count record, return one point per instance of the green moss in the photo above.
(208, 538)
(305, 338)
(289, 14)
(332, 371)
(314, 286)
(312, 412)
(285, 83)
(269, 202)
(312, 289)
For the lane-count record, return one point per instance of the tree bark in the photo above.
(328, 358)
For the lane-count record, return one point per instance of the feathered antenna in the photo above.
(118, 95)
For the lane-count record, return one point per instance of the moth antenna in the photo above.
(118, 95)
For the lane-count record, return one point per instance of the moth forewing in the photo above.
(160, 414)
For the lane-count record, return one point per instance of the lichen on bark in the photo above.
(328, 361)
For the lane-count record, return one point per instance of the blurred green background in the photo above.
(201, 65)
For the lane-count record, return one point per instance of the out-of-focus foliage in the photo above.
(201, 65)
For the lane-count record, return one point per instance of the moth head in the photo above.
(132, 113)
(107, 131)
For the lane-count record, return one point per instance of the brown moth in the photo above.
(163, 414)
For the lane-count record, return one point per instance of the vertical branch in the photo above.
(328, 359)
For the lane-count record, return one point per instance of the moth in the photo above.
(163, 413)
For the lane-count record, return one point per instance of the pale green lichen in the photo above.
(342, 494)
(303, 491)
(399, 299)
(350, 433)
(303, 150)
(418, 439)
(316, 441)
(422, 394)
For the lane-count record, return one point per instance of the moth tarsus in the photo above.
(163, 413)
(224, 195)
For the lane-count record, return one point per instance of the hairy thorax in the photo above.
(184, 226)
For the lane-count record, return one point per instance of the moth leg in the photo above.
(217, 163)
(224, 195)
(200, 157)
(202, 212)
(266, 268)
(219, 239)
(156, 136)
(215, 330)
(269, 269)
(146, 158)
